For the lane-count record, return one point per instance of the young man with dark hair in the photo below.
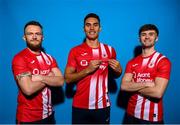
(146, 76)
(88, 65)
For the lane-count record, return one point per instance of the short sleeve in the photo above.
(164, 68)
(71, 59)
(19, 65)
(113, 53)
(54, 63)
(128, 68)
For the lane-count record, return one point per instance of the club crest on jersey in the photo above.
(84, 63)
(48, 62)
(104, 56)
(151, 65)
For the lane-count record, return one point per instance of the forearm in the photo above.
(150, 92)
(117, 73)
(76, 76)
(132, 87)
(34, 87)
(157, 90)
(53, 80)
(30, 87)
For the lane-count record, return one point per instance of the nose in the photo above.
(147, 36)
(91, 27)
(34, 36)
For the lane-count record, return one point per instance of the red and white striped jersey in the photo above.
(147, 69)
(38, 106)
(92, 90)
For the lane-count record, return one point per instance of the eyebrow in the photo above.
(92, 23)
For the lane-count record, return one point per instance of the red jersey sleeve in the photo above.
(113, 53)
(54, 63)
(19, 65)
(164, 68)
(128, 68)
(71, 59)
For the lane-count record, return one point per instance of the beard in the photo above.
(34, 47)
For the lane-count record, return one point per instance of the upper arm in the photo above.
(164, 68)
(127, 77)
(126, 80)
(19, 66)
(71, 63)
(69, 70)
(23, 80)
(163, 75)
(24, 77)
(161, 84)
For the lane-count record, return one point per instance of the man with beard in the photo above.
(35, 71)
(146, 78)
(88, 66)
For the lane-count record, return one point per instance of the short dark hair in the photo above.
(92, 15)
(148, 27)
(32, 23)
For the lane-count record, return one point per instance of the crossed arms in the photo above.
(154, 89)
(30, 84)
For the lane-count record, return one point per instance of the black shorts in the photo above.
(90, 116)
(49, 120)
(128, 119)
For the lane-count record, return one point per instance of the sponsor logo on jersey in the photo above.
(84, 63)
(42, 72)
(144, 77)
(103, 67)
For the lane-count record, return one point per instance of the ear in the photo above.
(100, 29)
(24, 38)
(156, 39)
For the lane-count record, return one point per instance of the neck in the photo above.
(35, 52)
(92, 43)
(147, 51)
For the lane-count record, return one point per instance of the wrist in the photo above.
(87, 71)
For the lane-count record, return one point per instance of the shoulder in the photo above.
(135, 59)
(163, 59)
(20, 56)
(78, 48)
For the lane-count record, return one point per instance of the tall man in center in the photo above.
(88, 65)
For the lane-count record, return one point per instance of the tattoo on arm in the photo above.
(23, 75)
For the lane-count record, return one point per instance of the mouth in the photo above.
(92, 32)
(34, 40)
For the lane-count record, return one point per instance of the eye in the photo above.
(143, 34)
(29, 34)
(38, 34)
(88, 24)
(151, 34)
(96, 24)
